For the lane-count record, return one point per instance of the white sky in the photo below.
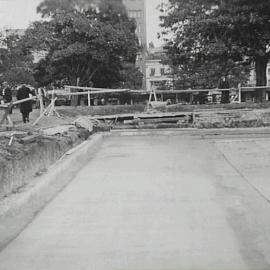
(19, 13)
(152, 21)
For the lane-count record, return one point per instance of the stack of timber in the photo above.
(200, 119)
(229, 118)
(146, 120)
(213, 116)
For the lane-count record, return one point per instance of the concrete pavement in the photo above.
(156, 201)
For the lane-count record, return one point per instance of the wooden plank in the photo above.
(141, 116)
(155, 120)
(23, 100)
(93, 88)
(42, 114)
(10, 133)
(92, 92)
(163, 120)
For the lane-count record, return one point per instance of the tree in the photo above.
(224, 31)
(16, 65)
(131, 77)
(83, 40)
(48, 8)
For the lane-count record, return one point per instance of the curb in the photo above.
(19, 211)
(194, 131)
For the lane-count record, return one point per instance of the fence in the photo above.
(70, 91)
(236, 94)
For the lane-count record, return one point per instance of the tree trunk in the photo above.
(75, 99)
(261, 79)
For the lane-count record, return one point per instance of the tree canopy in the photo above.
(16, 65)
(219, 37)
(84, 41)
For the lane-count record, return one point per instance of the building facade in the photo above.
(158, 75)
(136, 9)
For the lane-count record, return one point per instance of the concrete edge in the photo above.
(194, 131)
(16, 213)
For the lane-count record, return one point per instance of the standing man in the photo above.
(25, 107)
(225, 94)
(7, 94)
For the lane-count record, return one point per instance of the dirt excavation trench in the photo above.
(31, 154)
(63, 182)
(27, 152)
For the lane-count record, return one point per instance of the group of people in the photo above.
(23, 92)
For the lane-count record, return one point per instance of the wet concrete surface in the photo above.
(157, 200)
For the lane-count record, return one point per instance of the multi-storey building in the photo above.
(158, 75)
(136, 9)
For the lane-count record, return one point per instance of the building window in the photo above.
(152, 72)
(138, 14)
(135, 14)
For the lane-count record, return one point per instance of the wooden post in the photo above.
(193, 115)
(89, 99)
(41, 104)
(155, 95)
(150, 97)
(240, 93)
(191, 98)
(52, 103)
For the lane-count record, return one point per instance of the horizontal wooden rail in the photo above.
(93, 88)
(86, 93)
(182, 91)
(256, 87)
(163, 91)
(6, 105)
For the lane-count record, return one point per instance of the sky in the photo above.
(152, 21)
(19, 13)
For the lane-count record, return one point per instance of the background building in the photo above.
(137, 10)
(158, 75)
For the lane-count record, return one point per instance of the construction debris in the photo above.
(84, 122)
